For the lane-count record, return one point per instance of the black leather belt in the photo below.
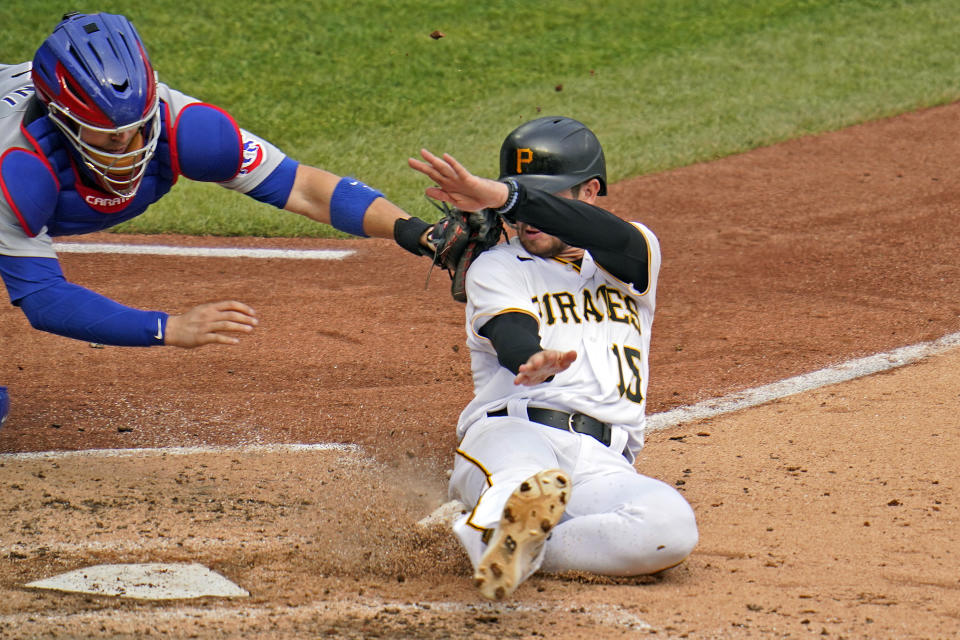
(566, 421)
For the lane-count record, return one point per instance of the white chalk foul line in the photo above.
(806, 382)
(600, 615)
(446, 513)
(707, 409)
(179, 451)
(204, 252)
(139, 545)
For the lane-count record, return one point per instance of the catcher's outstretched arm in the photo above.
(345, 203)
(453, 242)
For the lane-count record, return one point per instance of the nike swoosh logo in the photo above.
(159, 335)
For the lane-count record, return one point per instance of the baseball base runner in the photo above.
(558, 324)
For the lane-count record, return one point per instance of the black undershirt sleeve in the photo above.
(615, 244)
(515, 337)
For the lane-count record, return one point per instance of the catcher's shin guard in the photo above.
(516, 548)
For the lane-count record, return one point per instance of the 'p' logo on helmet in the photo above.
(552, 154)
(524, 156)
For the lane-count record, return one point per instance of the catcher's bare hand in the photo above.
(210, 323)
(458, 186)
(544, 364)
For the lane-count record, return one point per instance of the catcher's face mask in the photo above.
(95, 78)
(118, 158)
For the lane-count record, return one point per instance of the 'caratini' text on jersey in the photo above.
(578, 307)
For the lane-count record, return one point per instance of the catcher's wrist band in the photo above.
(513, 190)
(407, 232)
(349, 203)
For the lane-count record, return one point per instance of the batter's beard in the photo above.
(548, 247)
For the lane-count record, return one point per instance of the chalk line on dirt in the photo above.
(736, 401)
(140, 544)
(798, 384)
(180, 451)
(203, 252)
(600, 615)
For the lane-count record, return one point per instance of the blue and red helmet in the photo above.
(94, 74)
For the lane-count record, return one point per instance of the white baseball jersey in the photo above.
(616, 521)
(578, 307)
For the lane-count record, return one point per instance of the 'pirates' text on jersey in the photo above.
(578, 307)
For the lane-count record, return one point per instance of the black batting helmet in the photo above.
(553, 154)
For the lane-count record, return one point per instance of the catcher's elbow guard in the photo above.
(407, 233)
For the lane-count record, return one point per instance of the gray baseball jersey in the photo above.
(26, 231)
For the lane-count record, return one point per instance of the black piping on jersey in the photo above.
(576, 264)
(515, 337)
(615, 244)
(486, 475)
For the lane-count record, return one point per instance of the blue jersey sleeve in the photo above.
(210, 147)
(54, 305)
(276, 188)
(208, 143)
(30, 188)
(26, 275)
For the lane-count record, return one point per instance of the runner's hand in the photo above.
(543, 365)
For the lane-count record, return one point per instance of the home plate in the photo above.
(155, 581)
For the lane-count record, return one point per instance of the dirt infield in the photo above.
(831, 513)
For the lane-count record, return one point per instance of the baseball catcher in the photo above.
(89, 138)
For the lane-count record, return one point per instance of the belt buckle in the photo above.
(570, 417)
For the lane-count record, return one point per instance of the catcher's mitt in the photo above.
(459, 237)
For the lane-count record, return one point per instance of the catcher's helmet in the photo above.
(553, 154)
(93, 72)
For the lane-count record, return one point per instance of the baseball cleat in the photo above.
(516, 546)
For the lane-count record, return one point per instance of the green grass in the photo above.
(357, 87)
